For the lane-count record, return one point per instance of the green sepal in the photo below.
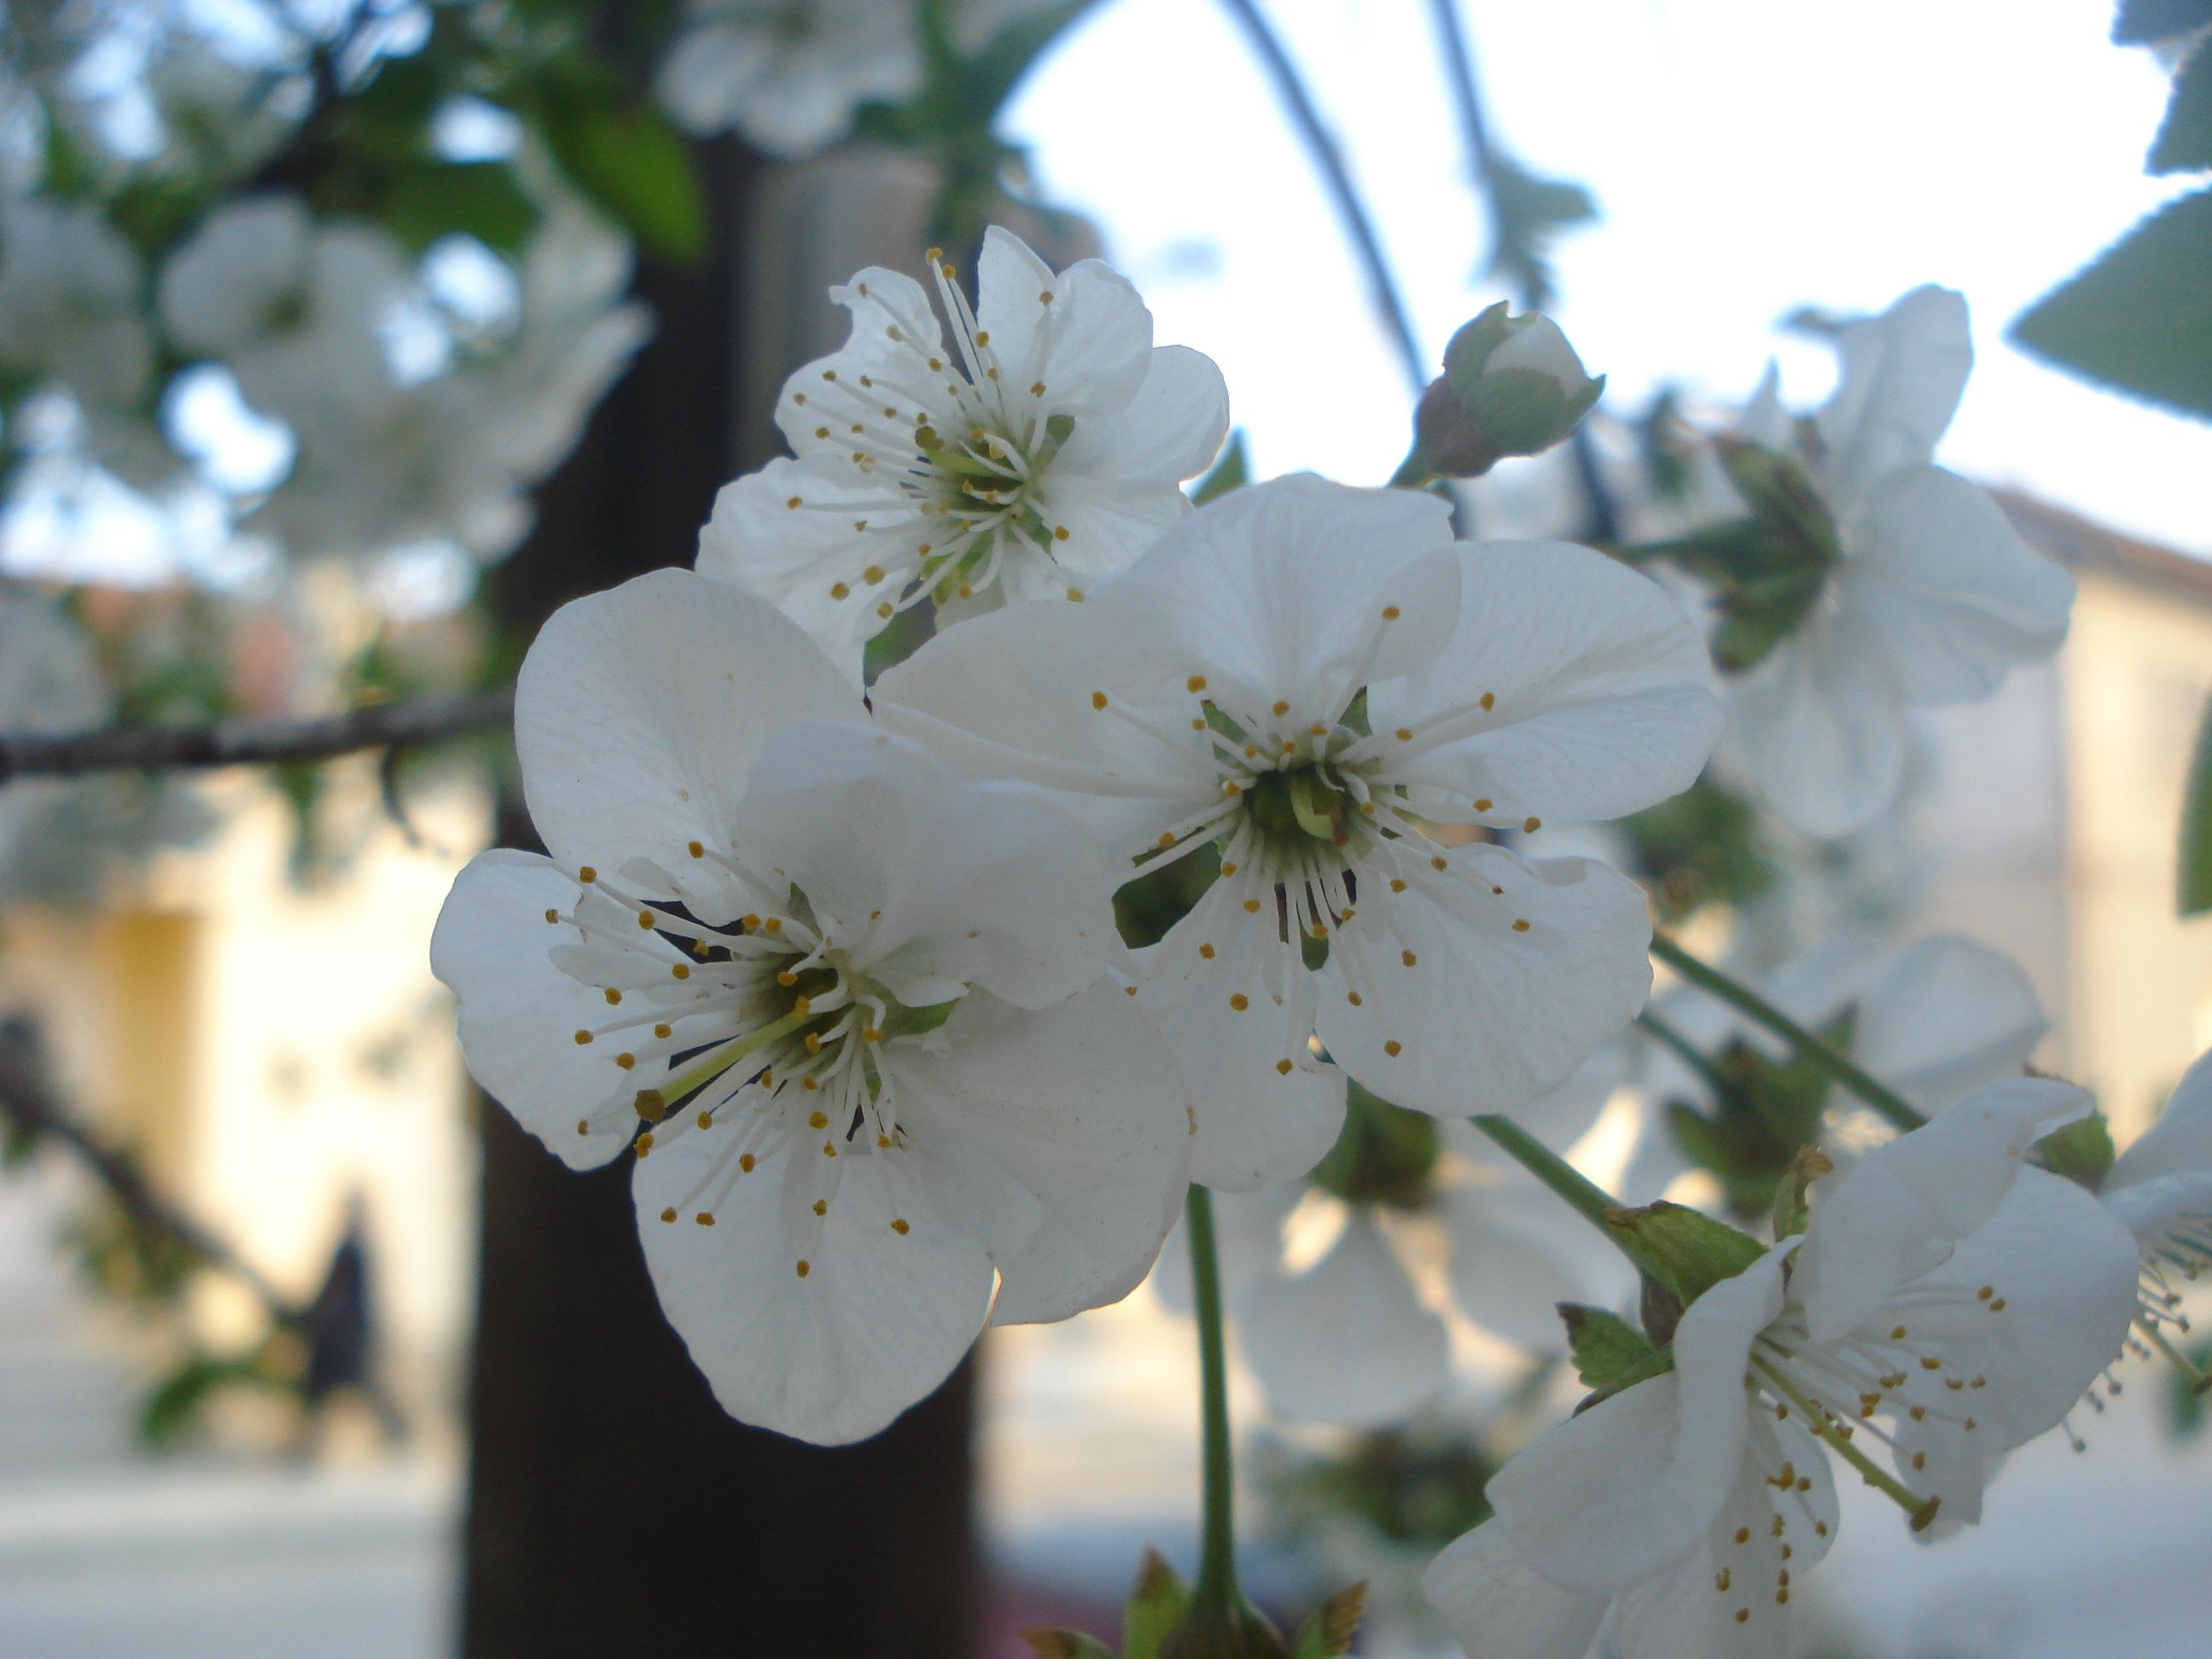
(1685, 1250)
(2083, 1152)
(1658, 1363)
(1791, 1210)
(1232, 472)
(1605, 1345)
(1158, 1605)
(1065, 1645)
(1327, 1632)
(902, 1021)
(1384, 1154)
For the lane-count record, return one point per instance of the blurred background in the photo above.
(342, 340)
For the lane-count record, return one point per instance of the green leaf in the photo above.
(2139, 318)
(1791, 1211)
(1328, 1633)
(2196, 825)
(2141, 22)
(1158, 1606)
(2083, 1152)
(1232, 472)
(1530, 211)
(431, 199)
(988, 79)
(1605, 1345)
(1686, 1250)
(2184, 137)
(636, 167)
(1065, 1645)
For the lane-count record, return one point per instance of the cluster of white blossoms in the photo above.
(307, 314)
(842, 971)
(1945, 1305)
(849, 978)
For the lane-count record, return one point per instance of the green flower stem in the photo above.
(1547, 1166)
(1891, 1105)
(1216, 1589)
(1684, 1050)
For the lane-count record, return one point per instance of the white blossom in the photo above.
(1304, 680)
(1040, 451)
(2160, 1188)
(1935, 599)
(1944, 1305)
(72, 303)
(851, 1008)
(789, 74)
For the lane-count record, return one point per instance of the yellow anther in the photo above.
(1284, 1066)
(1353, 997)
(1482, 804)
(1196, 682)
(871, 1034)
(1075, 596)
(1098, 699)
(625, 1061)
(1281, 707)
(1439, 862)
(1036, 388)
(612, 995)
(643, 1144)
(663, 1030)
(1207, 951)
(898, 1226)
(813, 1047)
(1389, 613)
(669, 1214)
(1404, 734)
(872, 574)
(681, 969)
(1397, 884)
(745, 1161)
(804, 1266)
(552, 916)
(1240, 1002)
(827, 1151)
(696, 849)
(840, 591)
(817, 1120)
(795, 502)
(787, 979)
(1228, 869)
(583, 1127)
(822, 1207)
(588, 875)
(1252, 906)
(1520, 926)
(1167, 838)
(582, 1037)
(1530, 826)
(1408, 957)
(1489, 700)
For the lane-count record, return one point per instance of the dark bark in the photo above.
(614, 1509)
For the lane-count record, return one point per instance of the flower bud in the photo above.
(1243, 1633)
(1512, 386)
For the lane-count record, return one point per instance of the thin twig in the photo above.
(26, 1098)
(1298, 104)
(1475, 128)
(404, 724)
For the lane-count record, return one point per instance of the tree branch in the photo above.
(405, 724)
(1298, 104)
(27, 1098)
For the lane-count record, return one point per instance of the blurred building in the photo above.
(2050, 821)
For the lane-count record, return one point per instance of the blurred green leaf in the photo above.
(1065, 1645)
(1328, 1633)
(1530, 211)
(2083, 1152)
(2196, 825)
(2139, 319)
(2142, 22)
(1159, 1603)
(427, 200)
(2184, 138)
(634, 166)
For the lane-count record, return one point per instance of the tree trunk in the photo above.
(613, 1509)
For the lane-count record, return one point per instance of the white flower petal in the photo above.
(1081, 1106)
(1172, 428)
(1259, 1119)
(1516, 1254)
(639, 713)
(880, 1317)
(1248, 1236)
(1603, 1498)
(1599, 694)
(1300, 590)
(1877, 1223)
(1347, 1341)
(936, 883)
(799, 558)
(491, 948)
(1763, 420)
(1945, 588)
(1819, 727)
(2180, 1141)
(1460, 1010)
(1902, 375)
(1945, 1018)
(1091, 344)
(1498, 1607)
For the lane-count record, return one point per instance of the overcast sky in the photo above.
(1749, 158)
